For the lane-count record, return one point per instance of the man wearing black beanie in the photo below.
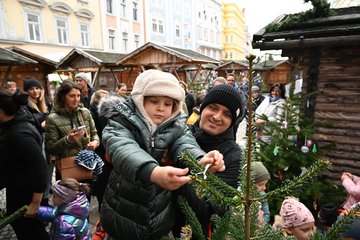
(214, 131)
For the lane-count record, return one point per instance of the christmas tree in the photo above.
(241, 207)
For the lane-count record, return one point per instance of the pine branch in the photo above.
(191, 217)
(13, 217)
(298, 181)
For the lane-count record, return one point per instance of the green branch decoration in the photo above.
(321, 8)
(13, 217)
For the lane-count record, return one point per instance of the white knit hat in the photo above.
(83, 76)
(157, 83)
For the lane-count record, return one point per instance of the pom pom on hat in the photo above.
(31, 82)
(260, 172)
(227, 96)
(84, 77)
(294, 213)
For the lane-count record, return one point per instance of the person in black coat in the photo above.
(22, 166)
(214, 131)
(189, 98)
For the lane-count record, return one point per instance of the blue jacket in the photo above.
(68, 221)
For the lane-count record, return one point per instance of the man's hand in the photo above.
(216, 159)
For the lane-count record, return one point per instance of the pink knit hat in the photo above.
(293, 213)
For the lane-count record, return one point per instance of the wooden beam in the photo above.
(300, 43)
(6, 75)
(97, 74)
(197, 72)
(114, 75)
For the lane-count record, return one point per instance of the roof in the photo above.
(343, 27)
(184, 54)
(242, 63)
(99, 58)
(8, 57)
(33, 56)
(270, 64)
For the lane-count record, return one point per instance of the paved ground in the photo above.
(7, 232)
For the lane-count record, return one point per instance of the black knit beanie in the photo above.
(31, 82)
(227, 96)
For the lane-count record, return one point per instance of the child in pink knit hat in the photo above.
(296, 219)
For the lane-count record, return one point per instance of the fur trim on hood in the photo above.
(107, 106)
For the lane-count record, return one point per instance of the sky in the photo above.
(258, 13)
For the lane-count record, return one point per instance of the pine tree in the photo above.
(241, 218)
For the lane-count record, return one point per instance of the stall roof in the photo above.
(342, 27)
(183, 55)
(9, 58)
(33, 56)
(97, 58)
(269, 64)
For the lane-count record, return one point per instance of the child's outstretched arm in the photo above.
(169, 178)
(216, 159)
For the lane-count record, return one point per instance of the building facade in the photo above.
(235, 37)
(188, 24)
(50, 28)
(123, 25)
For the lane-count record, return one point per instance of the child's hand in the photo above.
(32, 210)
(346, 175)
(92, 145)
(169, 178)
(216, 159)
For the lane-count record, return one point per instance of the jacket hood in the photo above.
(107, 106)
(23, 115)
(79, 208)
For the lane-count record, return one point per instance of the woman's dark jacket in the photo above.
(133, 207)
(22, 161)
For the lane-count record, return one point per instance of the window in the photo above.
(177, 31)
(62, 34)
(111, 39)
(123, 8)
(34, 27)
(206, 34)
(124, 41)
(154, 25)
(84, 35)
(199, 33)
(161, 27)
(137, 40)
(135, 11)
(109, 6)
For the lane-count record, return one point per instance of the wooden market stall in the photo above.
(237, 67)
(326, 51)
(274, 71)
(185, 64)
(22, 64)
(102, 65)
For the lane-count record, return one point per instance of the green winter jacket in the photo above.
(133, 207)
(59, 123)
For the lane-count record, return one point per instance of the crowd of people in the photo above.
(138, 137)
